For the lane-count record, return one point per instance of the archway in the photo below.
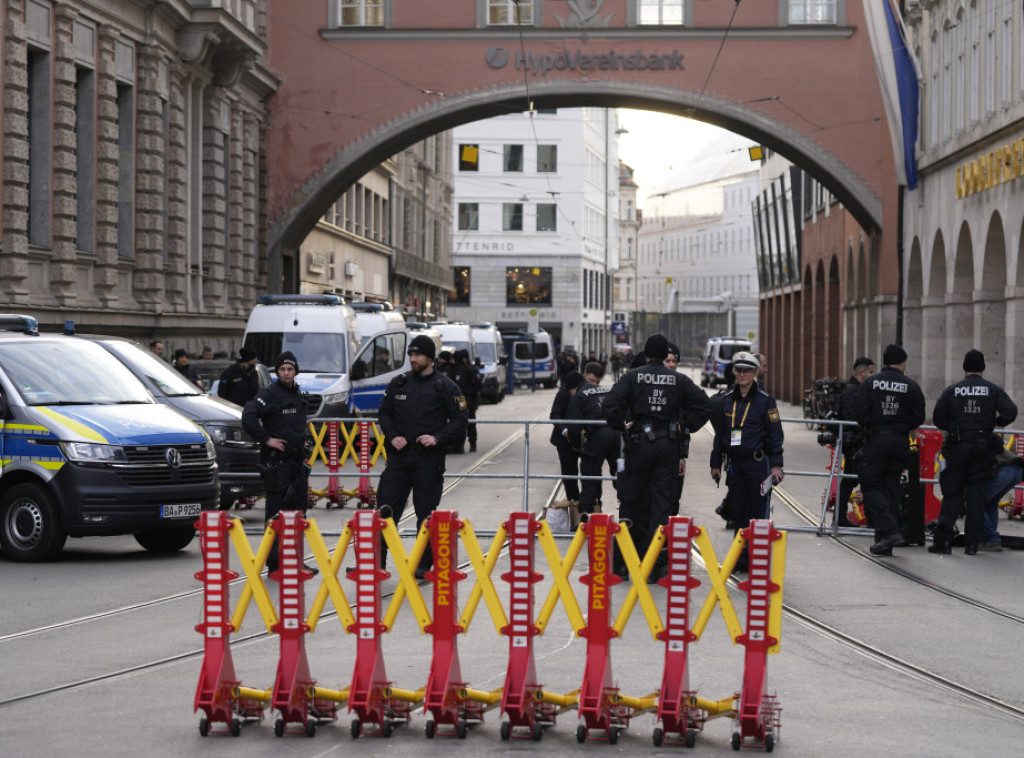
(991, 333)
(933, 321)
(913, 320)
(960, 305)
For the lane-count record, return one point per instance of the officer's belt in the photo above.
(643, 435)
(743, 455)
(888, 433)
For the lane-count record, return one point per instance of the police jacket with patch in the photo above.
(756, 417)
(277, 411)
(972, 408)
(467, 377)
(889, 402)
(559, 409)
(585, 405)
(238, 384)
(655, 394)
(414, 405)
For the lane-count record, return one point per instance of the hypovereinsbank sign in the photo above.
(541, 64)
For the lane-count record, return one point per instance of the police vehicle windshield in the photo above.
(143, 362)
(486, 352)
(69, 372)
(316, 352)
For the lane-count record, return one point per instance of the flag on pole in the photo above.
(898, 76)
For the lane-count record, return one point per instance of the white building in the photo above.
(625, 291)
(535, 238)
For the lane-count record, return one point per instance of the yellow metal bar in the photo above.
(724, 707)
(645, 703)
(380, 449)
(484, 585)
(560, 569)
(349, 448)
(775, 603)
(338, 696)
(718, 575)
(254, 586)
(329, 566)
(318, 443)
(568, 700)
(406, 696)
(638, 588)
(406, 568)
(249, 693)
(480, 696)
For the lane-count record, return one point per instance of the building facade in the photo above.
(625, 299)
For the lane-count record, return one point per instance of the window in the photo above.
(547, 158)
(528, 285)
(362, 13)
(469, 217)
(39, 148)
(513, 160)
(812, 11)
(660, 12)
(459, 294)
(509, 12)
(512, 217)
(469, 157)
(547, 214)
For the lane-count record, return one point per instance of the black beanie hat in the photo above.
(673, 349)
(656, 347)
(573, 380)
(180, 353)
(246, 354)
(974, 361)
(894, 355)
(423, 345)
(286, 358)
(862, 361)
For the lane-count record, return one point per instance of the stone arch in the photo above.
(991, 333)
(862, 295)
(933, 322)
(960, 305)
(853, 336)
(913, 305)
(1015, 315)
(818, 349)
(833, 357)
(806, 354)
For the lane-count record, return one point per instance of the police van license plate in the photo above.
(181, 510)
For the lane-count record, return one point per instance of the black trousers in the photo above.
(415, 469)
(648, 489)
(287, 485)
(569, 466)
(881, 466)
(603, 445)
(968, 469)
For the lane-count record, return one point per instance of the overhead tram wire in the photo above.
(718, 53)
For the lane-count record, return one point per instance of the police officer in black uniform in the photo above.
(239, 382)
(467, 376)
(853, 438)
(749, 431)
(654, 399)
(276, 418)
(568, 459)
(889, 406)
(595, 443)
(968, 413)
(421, 413)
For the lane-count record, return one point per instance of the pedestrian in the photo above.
(156, 347)
(421, 413)
(616, 365)
(239, 382)
(653, 399)
(182, 366)
(595, 443)
(568, 459)
(1009, 471)
(672, 362)
(207, 354)
(724, 509)
(968, 412)
(276, 419)
(853, 438)
(888, 407)
(467, 376)
(444, 363)
(748, 446)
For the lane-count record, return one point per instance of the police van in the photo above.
(533, 358)
(86, 451)
(718, 354)
(493, 361)
(342, 378)
(374, 318)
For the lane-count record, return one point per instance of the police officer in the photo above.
(568, 459)
(749, 431)
(968, 413)
(654, 399)
(889, 406)
(595, 443)
(239, 382)
(421, 412)
(276, 419)
(853, 439)
(467, 376)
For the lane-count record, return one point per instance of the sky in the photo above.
(658, 144)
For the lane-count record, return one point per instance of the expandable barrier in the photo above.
(451, 702)
(334, 455)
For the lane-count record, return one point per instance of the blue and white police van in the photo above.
(533, 358)
(341, 374)
(718, 354)
(86, 451)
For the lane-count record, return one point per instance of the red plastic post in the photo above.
(217, 680)
(674, 709)
(334, 488)
(596, 703)
(518, 696)
(929, 443)
(365, 447)
(1018, 494)
(757, 716)
(293, 681)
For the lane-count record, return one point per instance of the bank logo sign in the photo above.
(539, 65)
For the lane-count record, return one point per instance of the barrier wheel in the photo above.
(736, 740)
(429, 729)
(279, 728)
(769, 743)
(613, 735)
(310, 728)
(388, 728)
(462, 729)
(581, 734)
(657, 736)
(506, 730)
(355, 729)
(538, 732)
(204, 727)
(236, 727)
(691, 737)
